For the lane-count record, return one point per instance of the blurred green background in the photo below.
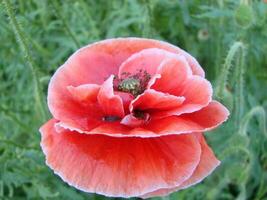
(228, 38)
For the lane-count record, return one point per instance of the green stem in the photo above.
(235, 149)
(261, 189)
(256, 111)
(25, 48)
(1, 188)
(239, 90)
(222, 79)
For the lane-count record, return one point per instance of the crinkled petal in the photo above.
(154, 100)
(80, 108)
(147, 60)
(86, 66)
(153, 79)
(126, 99)
(111, 104)
(119, 167)
(196, 90)
(135, 45)
(208, 163)
(173, 74)
(204, 120)
(132, 121)
(85, 94)
(174, 77)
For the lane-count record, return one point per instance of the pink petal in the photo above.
(155, 100)
(132, 121)
(119, 167)
(85, 94)
(126, 99)
(174, 77)
(79, 107)
(113, 129)
(204, 120)
(82, 125)
(86, 66)
(147, 60)
(174, 73)
(111, 104)
(208, 163)
(197, 92)
(137, 44)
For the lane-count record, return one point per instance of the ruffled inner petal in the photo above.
(197, 92)
(85, 94)
(208, 163)
(205, 119)
(210, 117)
(147, 60)
(154, 100)
(176, 79)
(132, 121)
(174, 73)
(126, 100)
(119, 167)
(80, 107)
(134, 45)
(84, 67)
(111, 104)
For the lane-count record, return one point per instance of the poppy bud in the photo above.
(244, 16)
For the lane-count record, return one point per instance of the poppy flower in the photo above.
(128, 117)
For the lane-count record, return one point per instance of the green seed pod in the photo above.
(244, 16)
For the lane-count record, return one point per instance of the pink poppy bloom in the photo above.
(128, 117)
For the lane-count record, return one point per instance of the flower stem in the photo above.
(222, 79)
(25, 48)
(257, 111)
(239, 89)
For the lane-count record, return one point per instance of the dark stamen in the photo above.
(111, 118)
(139, 114)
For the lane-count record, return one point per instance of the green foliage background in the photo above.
(228, 38)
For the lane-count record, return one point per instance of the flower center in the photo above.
(130, 85)
(133, 83)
